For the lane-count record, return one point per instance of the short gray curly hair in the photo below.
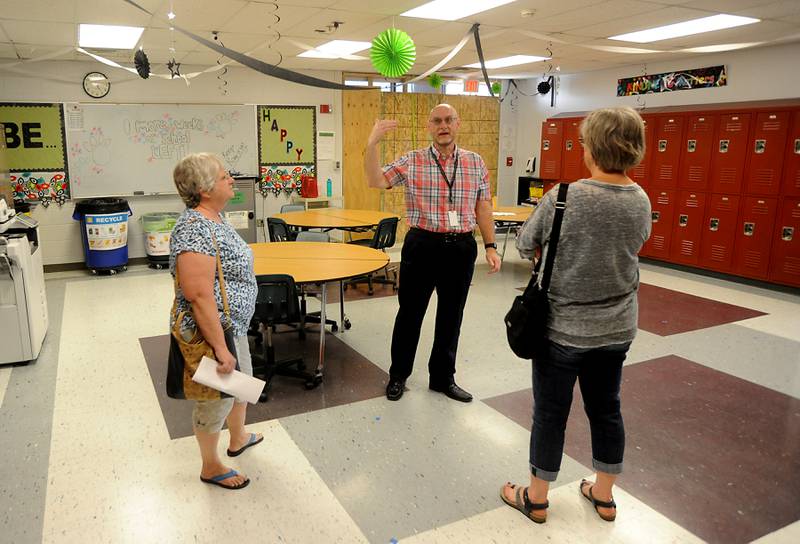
(615, 138)
(196, 172)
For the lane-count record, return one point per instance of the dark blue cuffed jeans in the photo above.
(599, 373)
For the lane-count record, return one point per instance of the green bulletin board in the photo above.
(36, 151)
(287, 147)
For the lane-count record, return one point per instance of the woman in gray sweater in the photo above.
(593, 309)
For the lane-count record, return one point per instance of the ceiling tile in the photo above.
(775, 10)
(201, 15)
(641, 21)
(589, 15)
(39, 10)
(41, 33)
(264, 18)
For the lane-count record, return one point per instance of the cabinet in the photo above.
(765, 156)
(667, 151)
(754, 236)
(729, 153)
(695, 162)
(688, 228)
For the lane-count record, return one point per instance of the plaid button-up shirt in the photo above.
(427, 193)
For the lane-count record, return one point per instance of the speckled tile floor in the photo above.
(88, 453)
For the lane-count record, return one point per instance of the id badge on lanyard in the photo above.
(452, 215)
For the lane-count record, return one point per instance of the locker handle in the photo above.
(787, 234)
(691, 146)
(655, 216)
(724, 145)
(713, 224)
(545, 145)
(569, 145)
(683, 220)
(749, 229)
(761, 146)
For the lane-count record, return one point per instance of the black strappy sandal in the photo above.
(524, 505)
(596, 503)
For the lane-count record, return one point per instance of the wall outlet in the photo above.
(259, 222)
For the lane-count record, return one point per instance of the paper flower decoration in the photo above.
(435, 81)
(393, 53)
(142, 64)
(496, 87)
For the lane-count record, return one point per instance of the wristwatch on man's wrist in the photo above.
(490, 245)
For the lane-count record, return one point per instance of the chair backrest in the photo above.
(292, 208)
(312, 236)
(278, 230)
(276, 300)
(385, 233)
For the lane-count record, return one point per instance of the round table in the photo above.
(334, 218)
(317, 262)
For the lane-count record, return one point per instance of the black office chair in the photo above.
(278, 230)
(384, 237)
(276, 304)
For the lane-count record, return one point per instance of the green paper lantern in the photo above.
(496, 87)
(393, 53)
(435, 81)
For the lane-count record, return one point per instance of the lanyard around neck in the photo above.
(449, 182)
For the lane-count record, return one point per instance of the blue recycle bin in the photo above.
(104, 231)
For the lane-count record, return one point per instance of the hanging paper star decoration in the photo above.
(174, 68)
(393, 53)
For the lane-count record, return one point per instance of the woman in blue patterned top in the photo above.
(206, 188)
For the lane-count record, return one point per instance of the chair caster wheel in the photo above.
(334, 327)
(264, 397)
(314, 382)
(347, 324)
(112, 272)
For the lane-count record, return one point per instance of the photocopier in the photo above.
(23, 304)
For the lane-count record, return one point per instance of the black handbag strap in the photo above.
(555, 232)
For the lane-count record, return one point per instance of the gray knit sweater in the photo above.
(595, 278)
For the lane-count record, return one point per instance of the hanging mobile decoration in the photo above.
(142, 64)
(174, 68)
(393, 53)
(223, 83)
(435, 81)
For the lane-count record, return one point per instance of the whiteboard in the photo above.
(125, 150)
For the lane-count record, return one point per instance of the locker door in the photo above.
(548, 185)
(663, 206)
(641, 173)
(688, 228)
(695, 165)
(791, 163)
(754, 236)
(552, 136)
(729, 153)
(785, 263)
(572, 160)
(765, 156)
(667, 151)
(719, 232)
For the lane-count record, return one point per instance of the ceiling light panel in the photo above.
(453, 10)
(504, 62)
(686, 28)
(108, 36)
(336, 49)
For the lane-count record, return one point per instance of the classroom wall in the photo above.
(61, 81)
(763, 73)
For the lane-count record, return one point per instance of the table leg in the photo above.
(323, 302)
(341, 304)
(505, 241)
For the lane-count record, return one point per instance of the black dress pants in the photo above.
(444, 262)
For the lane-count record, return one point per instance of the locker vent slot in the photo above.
(764, 176)
(727, 175)
(692, 203)
(659, 242)
(687, 248)
(771, 125)
(725, 205)
(752, 259)
(696, 173)
(795, 213)
(791, 266)
(733, 126)
(718, 253)
(666, 172)
(662, 199)
(670, 127)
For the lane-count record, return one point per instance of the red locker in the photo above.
(641, 173)
(688, 228)
(663, 206)
(729, 153)
(572, 166)
(765, 155)
(719, 232)
(791, 163)
(548, 185)
(667, 151)
(552, 136)
(695, 165)
(785, 263)
(754, 236)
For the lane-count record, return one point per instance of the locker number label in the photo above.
(662, 146)
(724, 145)
(545, 145)
(761, 146)
(691, 146)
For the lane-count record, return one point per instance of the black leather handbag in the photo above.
(526, 321)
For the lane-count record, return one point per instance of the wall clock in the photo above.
(96, 84)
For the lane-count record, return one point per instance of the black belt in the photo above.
(443, 236)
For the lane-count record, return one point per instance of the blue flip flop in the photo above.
(217, 480)
(252, 441)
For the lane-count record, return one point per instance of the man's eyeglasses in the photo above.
(446, 120)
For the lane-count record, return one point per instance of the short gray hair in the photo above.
(615, 138)
(196, 172)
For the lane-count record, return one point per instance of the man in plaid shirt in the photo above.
(447, 194)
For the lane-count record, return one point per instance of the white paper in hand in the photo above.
(236, 384)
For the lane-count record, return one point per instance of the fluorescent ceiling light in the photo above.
(109, 37)
(508, 61)
(721, 47)
(686, 28)
(336, 49)
(452, 10)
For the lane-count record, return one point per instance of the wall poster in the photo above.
(287, 147)
(698, 78)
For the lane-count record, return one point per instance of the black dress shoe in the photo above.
(454, 392)
(395, 389)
